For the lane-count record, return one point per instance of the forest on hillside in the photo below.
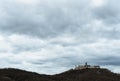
(11, 74)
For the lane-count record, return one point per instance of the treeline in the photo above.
(71, 75)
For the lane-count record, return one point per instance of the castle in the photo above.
(79, 67)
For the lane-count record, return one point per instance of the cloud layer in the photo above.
(49, 36)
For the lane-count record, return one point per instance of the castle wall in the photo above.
(85, 67)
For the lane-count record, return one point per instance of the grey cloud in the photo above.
(19, 49)
(77, 33)
(9, 60)
(60, 57)
(51, 19)
(44, 20)
(109, 60)
(109, 16)
(68, 61)
(109, 13)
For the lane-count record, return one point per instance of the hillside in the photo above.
(89, 75)
(71, 75)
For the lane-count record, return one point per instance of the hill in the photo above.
(71, 75)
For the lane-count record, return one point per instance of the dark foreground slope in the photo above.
(71, 75)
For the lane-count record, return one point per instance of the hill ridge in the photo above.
(89, 74)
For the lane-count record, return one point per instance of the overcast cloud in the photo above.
(49, 36)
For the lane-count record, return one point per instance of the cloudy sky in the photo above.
(51, 36)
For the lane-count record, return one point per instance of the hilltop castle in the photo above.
(79, 67)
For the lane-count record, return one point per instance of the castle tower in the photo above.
(85, 63)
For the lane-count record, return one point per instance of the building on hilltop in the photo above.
(79, 67)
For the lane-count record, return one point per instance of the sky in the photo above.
(52, 36)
